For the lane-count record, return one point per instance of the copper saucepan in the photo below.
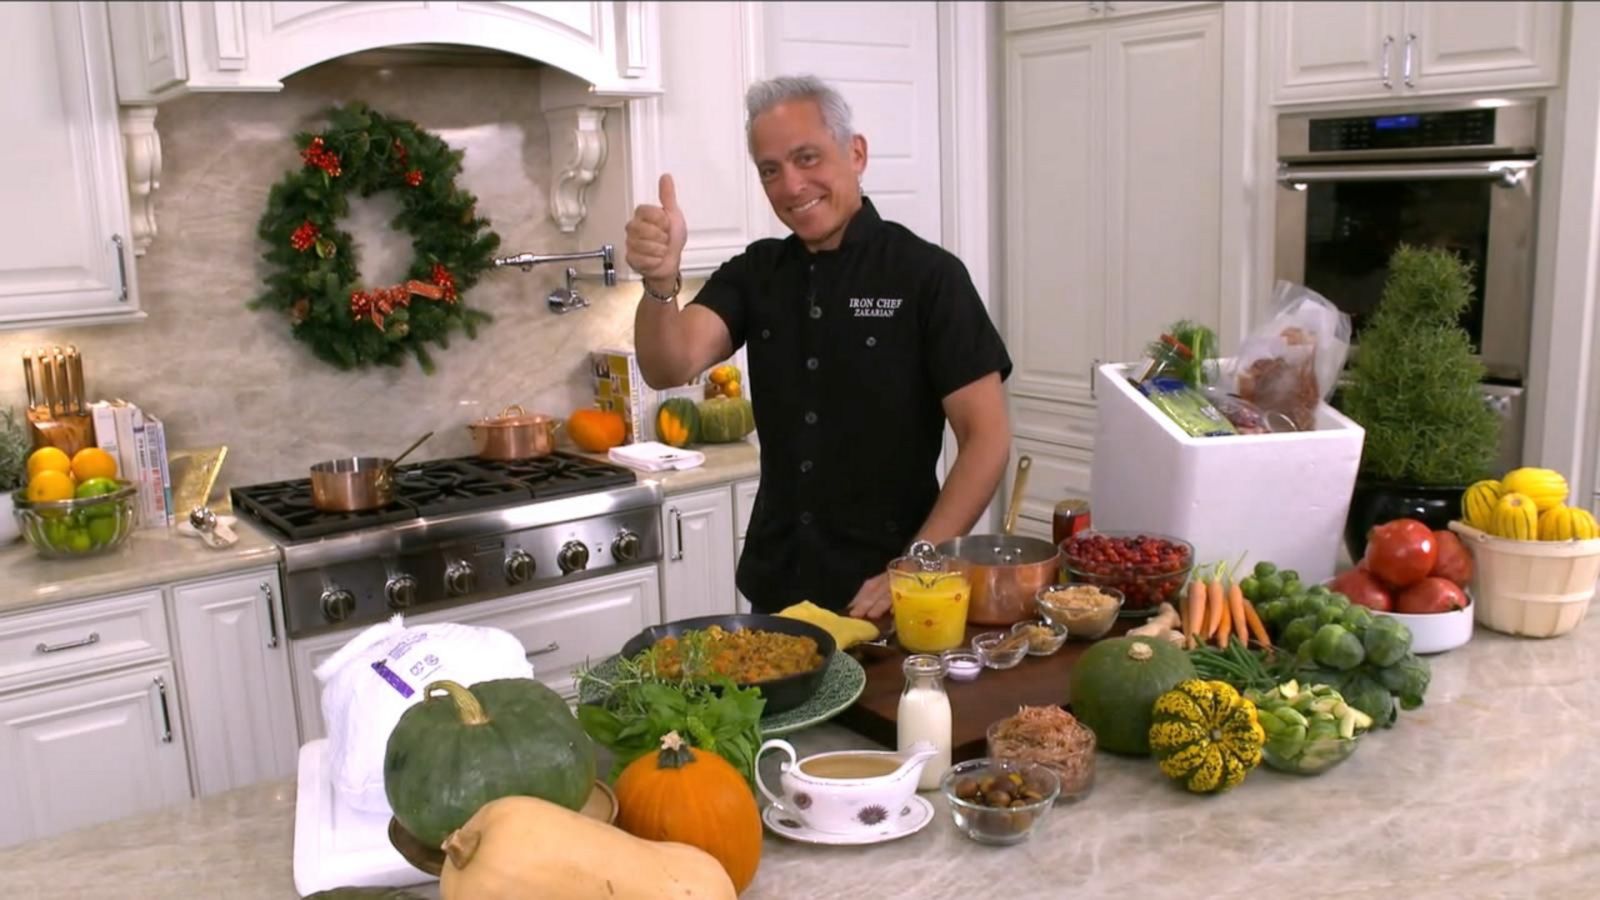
(356, 483)
(515, 434)
(1007, 569)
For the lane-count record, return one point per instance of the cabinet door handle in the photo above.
(1094, 369)
(677, 527)
(1383, 71)
(166, 714)
(1405, 67)
(272, 616)
(42, 647)
(551, 647)
(122, 269)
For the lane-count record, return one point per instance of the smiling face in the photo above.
(813, 183)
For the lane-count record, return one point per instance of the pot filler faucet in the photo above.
(566, 299)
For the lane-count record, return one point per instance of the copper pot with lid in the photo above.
(1006, 570)
(515, 434)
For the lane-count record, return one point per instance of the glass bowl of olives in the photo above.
(999, 801)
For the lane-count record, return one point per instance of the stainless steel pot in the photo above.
(1007, 570)
(356, 483)
(515, 434)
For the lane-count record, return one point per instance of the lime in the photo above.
(57, 533)
(102, 530)
(94, 487)
(79, 541)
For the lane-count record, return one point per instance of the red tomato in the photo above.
(1402, 552)
(1362, 589)
(1431, 595)
(1455, 562)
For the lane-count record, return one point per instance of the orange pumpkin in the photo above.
(597, 430)
(692, 797)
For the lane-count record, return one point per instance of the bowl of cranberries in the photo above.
(1147, 568)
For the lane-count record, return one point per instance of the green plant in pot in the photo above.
(14, 448)
(1415, 388)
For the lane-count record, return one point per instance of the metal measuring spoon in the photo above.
(212, 531)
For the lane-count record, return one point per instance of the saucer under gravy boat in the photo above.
(846, 793)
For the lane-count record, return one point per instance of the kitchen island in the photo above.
(1488, 790)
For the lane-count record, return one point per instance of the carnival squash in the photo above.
(1115, 684)
(678, 422)
(461, 748)
(517, 848)
(597, 430)
(1206, 736)
(726, 419)
(693, 797)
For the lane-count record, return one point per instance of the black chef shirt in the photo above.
(851, 353)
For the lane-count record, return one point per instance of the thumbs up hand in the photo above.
(656, 235)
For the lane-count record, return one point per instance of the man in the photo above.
(863, 339)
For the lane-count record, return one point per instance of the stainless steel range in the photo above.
(459, 531)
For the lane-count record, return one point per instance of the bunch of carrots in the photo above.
(1216, 610)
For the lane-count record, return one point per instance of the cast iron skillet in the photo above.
(781, 693)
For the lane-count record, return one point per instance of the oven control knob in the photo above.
(574, 557)
(338, 604)
(459, 578)
(626, 546)
(519, 566)
(401, 591)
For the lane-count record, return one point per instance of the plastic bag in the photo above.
(380, 673)
(1291, 363)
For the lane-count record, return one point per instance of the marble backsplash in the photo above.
(219, 373)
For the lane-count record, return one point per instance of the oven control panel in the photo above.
(1455, 128)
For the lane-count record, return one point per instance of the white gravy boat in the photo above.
(829, 792)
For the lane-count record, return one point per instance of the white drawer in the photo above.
(744, 503)
(66, 641)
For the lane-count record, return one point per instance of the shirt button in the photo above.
(816, 312)
(872, 342)
(766, 333)
(811, 363)
(805, 465)
(805, 518)
(811, 417)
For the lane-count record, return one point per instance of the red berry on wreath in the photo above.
(414, 177)
(304, 237)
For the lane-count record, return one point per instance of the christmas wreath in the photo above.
(314, 277)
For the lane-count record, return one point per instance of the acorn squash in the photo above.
(1115, 684)
(726, 419)
(677, 422)
(461, 748)
(1206, 736)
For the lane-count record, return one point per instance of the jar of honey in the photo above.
(929, 596)
(1071, 516)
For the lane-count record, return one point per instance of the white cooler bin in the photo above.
(1277, 497)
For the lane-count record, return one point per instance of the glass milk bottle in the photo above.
(924, 715)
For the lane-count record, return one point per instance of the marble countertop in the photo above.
(1485, 791)
(725, 463)
(151, 556)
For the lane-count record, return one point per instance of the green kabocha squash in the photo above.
(724, 420)
(678, 422)
(1115, 684)
(461, 748)
(1206, 736)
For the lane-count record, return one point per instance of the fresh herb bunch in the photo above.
(14, 449)
(1192, 363)
(641, 704)
(1415, 382)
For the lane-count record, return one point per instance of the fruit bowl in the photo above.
(72, 529)
(1147, 568)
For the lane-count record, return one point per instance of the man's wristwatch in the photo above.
(677, 285)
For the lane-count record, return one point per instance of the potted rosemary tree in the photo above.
(1414, 387)
(14, 448)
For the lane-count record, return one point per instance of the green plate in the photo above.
(841, 686)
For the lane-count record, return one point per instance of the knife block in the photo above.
(71, 432)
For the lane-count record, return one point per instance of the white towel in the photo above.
(654, 456)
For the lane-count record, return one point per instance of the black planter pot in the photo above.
(1376, 502)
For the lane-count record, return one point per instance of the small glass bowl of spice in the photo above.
(998, 801)
(961, 665)
(1043, 637)
(1087, 611)
(999, 650)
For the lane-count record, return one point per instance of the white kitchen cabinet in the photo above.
(65, 248)
(90, 751)
(234, 666)
(562, 628)
(744, 505)
(1112, 143)
(1320, 51)
(165, 49)
(697, 572)
(1021, 15)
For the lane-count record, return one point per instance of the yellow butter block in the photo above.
(846, 630)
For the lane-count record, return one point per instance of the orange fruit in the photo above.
(49, 484)
(93, 462)
(48, 459)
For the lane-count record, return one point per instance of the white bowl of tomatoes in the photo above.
(1418, 576)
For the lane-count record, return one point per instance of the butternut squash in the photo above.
(520, 847)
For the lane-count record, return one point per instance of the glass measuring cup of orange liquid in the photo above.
(929, 595)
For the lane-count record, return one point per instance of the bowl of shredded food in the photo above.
(1051, 737)
(785, 658)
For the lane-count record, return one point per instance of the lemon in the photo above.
(93, 462)
(50, 484)
(48, 459)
